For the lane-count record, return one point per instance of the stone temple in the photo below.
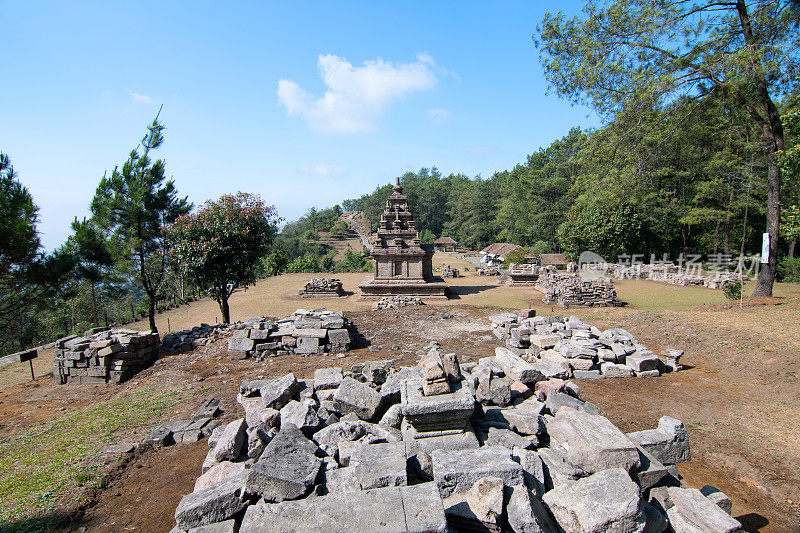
(403, 265)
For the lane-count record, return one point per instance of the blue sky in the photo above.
(305, 104)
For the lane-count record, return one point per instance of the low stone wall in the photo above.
(565, 348)
(106, 356)
(569, 290)
(304, 332)
(196, 337)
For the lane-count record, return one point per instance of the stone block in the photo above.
(339, 336)
(614, 370)
(515, 367)
(669, 443)
(240, 344)
(327, 378)
(642, 361)
(556, 471)
(287, 468)
(606, 501)
(390, 390)
(508, 439)
(443, 411)
(526, 514)
(457, 471)
(587, 374)
(230, 441)
(218, 472)
(545, 342)
(427, 442)
(380, 465)
(480, 508)
(276, 393)
(592, 442)
(416, 509)
(215, 503)
(556, 400)
(302, 415)
(718, 497)
(329, 437)
(307, 345)
(355, 397)
(650, 471)
(692, 512)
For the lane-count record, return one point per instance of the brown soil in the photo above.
(739, 398)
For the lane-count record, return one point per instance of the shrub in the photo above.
(732, 290)
(789, 270)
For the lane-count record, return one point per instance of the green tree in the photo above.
(29, 278)
(642, 53)
(133, 205)
(790, 168)
(223, 242)
(93, 261)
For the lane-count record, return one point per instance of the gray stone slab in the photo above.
(587, 374)
(650, 470)
(228, 526)
(551, 369)
(606, 501)
(355, 397)
(691, 512)
(287, 468)
(380, 465)
(515, 367)
(526, 514)
(428, 442)
(556, 471)
(230, 441)
(415, 509)
(669, 443)
(719, 498)
(302, 415)
(307, 345)
(592, 442)
(557, 399)
(457, 471)
(390, 390)
(327, 378)
(216, 503)
(508, 439)
(277, 392)
(642, 361)
(442, 411)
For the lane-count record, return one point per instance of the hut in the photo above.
(445, 244)
(495, 254)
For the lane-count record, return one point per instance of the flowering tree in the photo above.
(222, 242)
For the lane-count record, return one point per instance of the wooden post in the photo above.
(168, 326)
(33, 378)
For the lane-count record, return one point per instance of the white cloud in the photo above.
(140, 98)
(355, 97)
(323, 171)
(438, 115)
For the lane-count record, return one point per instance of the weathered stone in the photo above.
(377, 371)
(385, 510)
(587, 374)
(416, 442)
(642, 361)
(556, 400)
(355, 397)
(380, 465)
(451, 367)
(330, 436)
(606, 501)
(669, 443)
(262, 417)
(390, 390)
(230, 441)
(302, 415)
(613, 370)
(552, 369)
(507, 439)
(277, 392)
(227, 526)
(392, 417)
(691, 512)
(593, 443)
(433, 388)
(307, 345)
(516, 368)
(257, 439)
(444, 411)
(480, 507)
(718, 497)
(650, 470)
(217, 473)
(457, 471)
(327, 378)
(215, 503)
(525, 514)
(240, 344)
(557, 471)
(287, 468)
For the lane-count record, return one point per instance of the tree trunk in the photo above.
(152, 312)
(766, 278)
(94, 306)
(791, 247)
(223, 306)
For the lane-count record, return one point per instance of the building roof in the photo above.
(553, 259)
(445, 240)
(500, 249)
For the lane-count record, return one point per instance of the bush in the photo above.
(306, 263)
(732, 290)
(789, 270)
(517, 257)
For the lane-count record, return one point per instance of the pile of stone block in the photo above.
(102, 355)
(488, 271)
(199, 426)
(523, 274)
(572, 291)
(397, 302)
(196, 337)
(450, 272)
(303, 332)
(322, 288)
(342, 452)
(564, 348)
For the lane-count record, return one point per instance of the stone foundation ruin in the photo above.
(569, 290)
(397, 302)
(442, 446)
(322, 288)
(562, 348)
(303, 332)
(523, 274)
(103, 356)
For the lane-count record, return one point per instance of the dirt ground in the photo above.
(739, 395)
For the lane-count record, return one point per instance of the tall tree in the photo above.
(92, 257)
(28, 276)
(223, 243)
(645, 53)
(133, 205)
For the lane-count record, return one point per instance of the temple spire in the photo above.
(397, 187)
